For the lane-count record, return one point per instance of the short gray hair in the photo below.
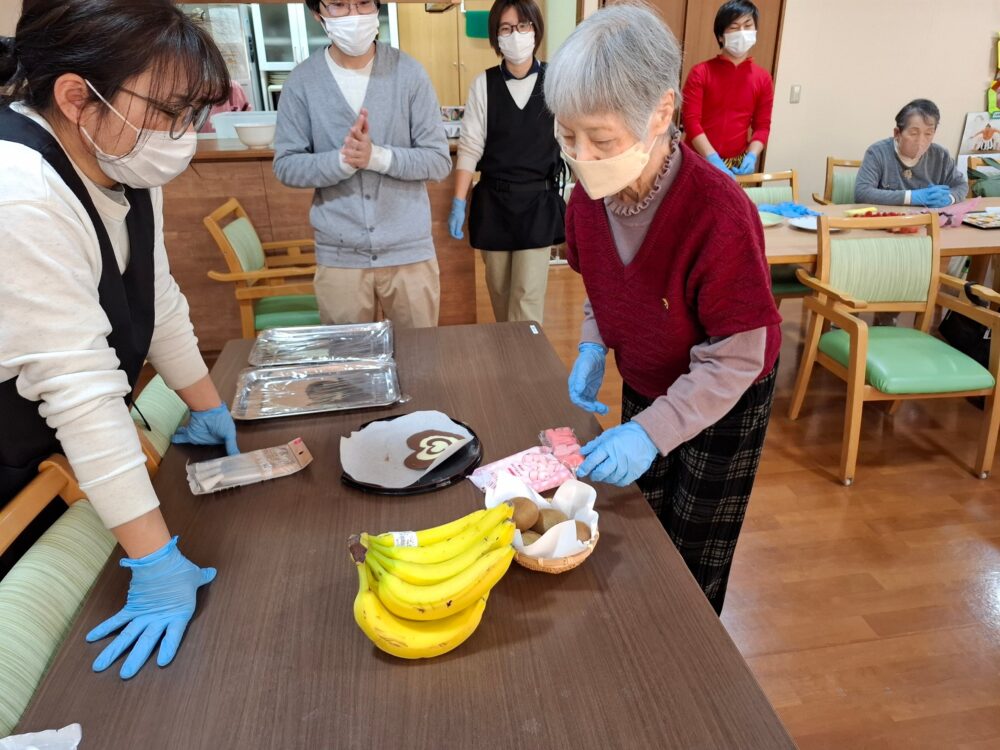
(924, 108)
(622, 60)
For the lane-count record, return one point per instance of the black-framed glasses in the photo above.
(507, 29)
(181, 119)
(338, 9)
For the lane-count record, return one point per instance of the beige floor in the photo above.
(870, 614)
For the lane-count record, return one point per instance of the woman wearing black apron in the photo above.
(508, 136)
(104, 100)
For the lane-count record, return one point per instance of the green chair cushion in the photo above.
(769, 195)
(882, 269)
(164, 411)
(243, 237)
(784, 283)
(281, 312)
(843, 185)
(904, 360)
(39, 598)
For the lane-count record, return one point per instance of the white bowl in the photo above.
(255, 136)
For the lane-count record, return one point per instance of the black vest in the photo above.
(516, 204)
(127, 299)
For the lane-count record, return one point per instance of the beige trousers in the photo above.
(516, 280)
(409, 295)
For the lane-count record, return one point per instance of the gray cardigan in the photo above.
(364, 219)
(881, 180)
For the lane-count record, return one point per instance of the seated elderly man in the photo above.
(671, 253)
(909, 169)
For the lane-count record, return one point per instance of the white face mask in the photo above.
(354, 34)
(517, 48)
(604, 177)
(738, 43)
(154, 161)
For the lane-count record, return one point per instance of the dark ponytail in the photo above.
(109, 42)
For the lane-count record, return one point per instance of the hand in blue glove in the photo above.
(789, 209)
(160, 604)
(935, 196)
(456, 218)
(586, 377)
(748, 164)
(211, 427)
(716, 161)
(618, 456)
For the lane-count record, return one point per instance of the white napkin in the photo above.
(67, 738)
(376, 454)
(574, 498)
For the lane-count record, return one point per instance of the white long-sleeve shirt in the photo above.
(53, 331)
(473, 139)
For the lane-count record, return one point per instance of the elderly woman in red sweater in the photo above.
(672, 257)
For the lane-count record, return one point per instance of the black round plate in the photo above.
(454, 469)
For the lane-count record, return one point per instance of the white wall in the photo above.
(10, 10)
(860, 61)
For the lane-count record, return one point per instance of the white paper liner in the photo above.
(375, 455)
(67, 738)
(574, 498)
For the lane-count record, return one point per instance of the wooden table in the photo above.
(621, 652)
(785, 244)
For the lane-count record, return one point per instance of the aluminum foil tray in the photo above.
(267, 392)
(290, 346)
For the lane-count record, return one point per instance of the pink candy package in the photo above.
(541, 468)
(564, 445)
(537, 467)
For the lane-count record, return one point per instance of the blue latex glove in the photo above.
(789, 209)
(716, 161)
(160, 604)
(935, 196)
(211, 427)
(456, 218)
(748, 164)
(586, 377)
(618, 456)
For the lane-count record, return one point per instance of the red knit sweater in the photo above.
(699, 273)
(725, 102)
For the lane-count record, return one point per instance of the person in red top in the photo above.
(728, 99)
(671, 253)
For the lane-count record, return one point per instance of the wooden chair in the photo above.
(784, 284)
(840, 177)
(889, 363)
(41, 595)
(157, 413)
(266, 295)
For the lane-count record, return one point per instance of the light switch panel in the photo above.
(795, 95)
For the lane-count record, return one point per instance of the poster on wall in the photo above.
(981, 137)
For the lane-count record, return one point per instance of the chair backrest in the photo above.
(889, 271)
(757, 186)
(40, 597)
(163, 410)
(236, 237)
(841, 175)
(55, 479)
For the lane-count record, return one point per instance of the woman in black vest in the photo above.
(104, 100)
(508, 135)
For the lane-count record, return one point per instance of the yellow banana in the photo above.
(432, 535)
(449, 548)
(408, 639)
(439, 600)
(424, 575)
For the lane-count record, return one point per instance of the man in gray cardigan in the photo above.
(360, 123)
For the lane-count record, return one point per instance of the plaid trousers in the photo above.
(700, 490)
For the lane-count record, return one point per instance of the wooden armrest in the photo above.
(59, 464)
(271, 273)
(983, 292)
(818, 286)
(283, 244)
(820, 199)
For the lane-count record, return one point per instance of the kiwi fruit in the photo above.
(525, 513)
(530, 537)
(547, 518)
(582, 531)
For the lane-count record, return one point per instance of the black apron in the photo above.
(516, 204)
(127, 299)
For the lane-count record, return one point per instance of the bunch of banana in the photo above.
(421, 594)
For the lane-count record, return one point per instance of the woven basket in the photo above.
(556, 565)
